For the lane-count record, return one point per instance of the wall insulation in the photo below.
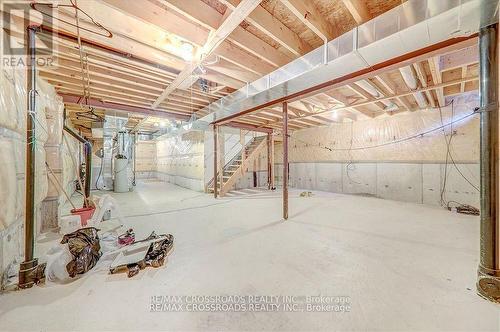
(180, 160)
(413, 170)
(145, 160)
(12, 149)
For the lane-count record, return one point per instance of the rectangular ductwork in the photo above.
(410, 27)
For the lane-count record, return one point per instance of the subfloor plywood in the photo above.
(405, 266)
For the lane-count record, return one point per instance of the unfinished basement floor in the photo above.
(404, 266)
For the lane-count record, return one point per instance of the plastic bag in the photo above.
(58, 257)
(85, 249)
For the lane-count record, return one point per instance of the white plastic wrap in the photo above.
(13, 140)
(145, 156)
(13, 112)
(179, 157)
(308, 145)
(57, 258)
(69, 171)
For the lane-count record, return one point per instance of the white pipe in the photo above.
(411, 81)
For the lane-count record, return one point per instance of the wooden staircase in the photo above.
(237, 166)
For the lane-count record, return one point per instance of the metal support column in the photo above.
(216, 164)
(273, 186)
(285, 160)
(30, 272)
(269, 138)
(488, 283)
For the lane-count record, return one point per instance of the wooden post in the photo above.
(243, 151)
(285, 160)
(216, 166)
(222, 162)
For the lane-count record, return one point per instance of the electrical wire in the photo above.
(350, 165)
(419, 135)
(461, 208)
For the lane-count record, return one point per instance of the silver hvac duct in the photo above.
(389, 105)
(411, 81)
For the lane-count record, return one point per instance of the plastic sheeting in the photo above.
(180, 160)
(145, 156)
(13, 112)
(384, 138)
(12, 138)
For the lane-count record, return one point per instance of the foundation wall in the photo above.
(145, 160)
(416, 183)
(339, 158)
(180, 160)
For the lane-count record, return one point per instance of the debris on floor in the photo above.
(126, 238)
(151, 251)
(306, 194)
(84, 246)
(463, 209)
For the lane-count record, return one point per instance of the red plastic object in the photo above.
(85, 214)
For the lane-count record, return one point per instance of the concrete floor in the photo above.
(404, 266)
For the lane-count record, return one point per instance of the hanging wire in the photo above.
(87, 112)
(419, 135)
(450, 205)
(39, 6)
(460, 207)
(350, 165)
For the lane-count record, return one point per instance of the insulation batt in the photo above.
(13, 112)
